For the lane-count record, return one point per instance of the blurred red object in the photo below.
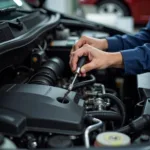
(138, 9)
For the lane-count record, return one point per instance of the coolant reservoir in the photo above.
(112, 139)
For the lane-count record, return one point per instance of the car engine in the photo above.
(35, 75)
(35, 112)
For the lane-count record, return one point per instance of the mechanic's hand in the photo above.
(97, 43)
(97, 59)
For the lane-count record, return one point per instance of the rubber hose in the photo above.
(113, 92)
(119, 103)
(92, 80)
(105, 115)
(136, 125)
(125, 129)
(49, 72)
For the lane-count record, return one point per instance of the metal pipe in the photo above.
(104, 92)
(91, 128)
(103, 89)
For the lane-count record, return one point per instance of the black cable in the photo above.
(25, 68)
(85, 83)
(119, 104)
(105, 115)
(11, 66)
(44, 46)
(111, 91)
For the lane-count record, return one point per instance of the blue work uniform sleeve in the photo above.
(117, 43)
(137, 60)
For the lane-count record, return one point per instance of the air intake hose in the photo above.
(49, 72)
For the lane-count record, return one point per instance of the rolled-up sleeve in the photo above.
(117, 43)
(137, 60)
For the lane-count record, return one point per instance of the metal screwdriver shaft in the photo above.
(72, 84)
(81, 62)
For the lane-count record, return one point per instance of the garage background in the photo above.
(92, 12)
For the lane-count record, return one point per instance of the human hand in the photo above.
(97, 59)
(97, 43)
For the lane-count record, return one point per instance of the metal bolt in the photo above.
(32, 145)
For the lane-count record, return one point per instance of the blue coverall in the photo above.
(134, 49)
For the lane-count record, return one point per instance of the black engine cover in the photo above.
(36, 108)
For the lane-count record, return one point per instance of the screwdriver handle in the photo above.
(82, 61)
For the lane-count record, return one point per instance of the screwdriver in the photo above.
(82, 60)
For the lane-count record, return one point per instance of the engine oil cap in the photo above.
(112, 139)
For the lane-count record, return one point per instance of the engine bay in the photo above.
(35, 75)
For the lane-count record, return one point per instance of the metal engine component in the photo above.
(99, 102)
(29, 141)
(93, 101)
(91, 94)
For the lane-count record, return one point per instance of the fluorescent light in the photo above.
(18, 2)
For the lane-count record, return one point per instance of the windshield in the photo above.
(17, 3)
